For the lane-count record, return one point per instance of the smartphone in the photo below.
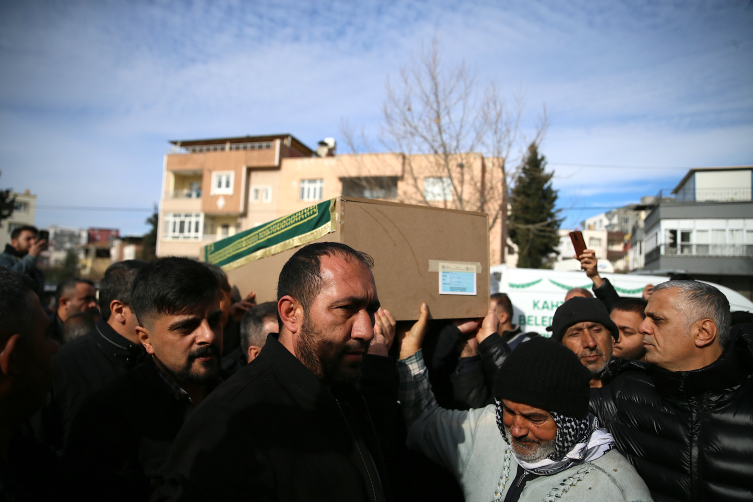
(44, 235)
(578, 243)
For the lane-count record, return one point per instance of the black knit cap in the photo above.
(577, 310)
(546, 375)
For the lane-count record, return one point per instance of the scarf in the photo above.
(578, 440)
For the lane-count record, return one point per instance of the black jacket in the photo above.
(82, 367)
(689, 434)
(275, 432)
(123, 435)
(474, 389)
(607, 294)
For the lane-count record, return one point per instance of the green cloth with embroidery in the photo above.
(469, 444)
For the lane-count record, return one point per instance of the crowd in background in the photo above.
(164, 383)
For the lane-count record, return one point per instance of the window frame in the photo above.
(305, 188)
(443, 183)
(217, 175)
(171, 230)
(265, 189)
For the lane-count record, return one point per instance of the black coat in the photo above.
(275, 432)
(122, 436)
(689, 434)
(82, 367)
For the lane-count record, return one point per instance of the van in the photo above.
(536, 293)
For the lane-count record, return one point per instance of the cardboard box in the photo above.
(416, 249)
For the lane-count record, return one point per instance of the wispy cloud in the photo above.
(91, 91)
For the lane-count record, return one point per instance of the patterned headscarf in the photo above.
(570, 431)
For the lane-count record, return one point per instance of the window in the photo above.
(222, 183)
(625, 221)
(594, 242)
(312, 189)
(261, 194)
(685, 246)
(702, 242)
(370, 187)
(437, 189)
(21, 206)
(183, 226)
(225, 230)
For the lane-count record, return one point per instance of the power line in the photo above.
(618, 167)
(86, 208)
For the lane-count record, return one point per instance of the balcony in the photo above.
(223, 147)
(714, 195)
(188, 193)
(700, 250)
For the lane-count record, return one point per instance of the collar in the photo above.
(508, 334)
(725, 372)
(175, 390)
(116, 347)
(12, 251)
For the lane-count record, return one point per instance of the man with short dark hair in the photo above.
(22, 253)
(89, 363)
(685, 420)
(123, 434)
(583, 326)
(290, 426)
(536, 442)
(511, 333)
(628, 314)
(72, 296)
(257, 323)
(26, 370)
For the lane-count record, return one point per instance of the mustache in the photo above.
(355, 346)
(591, 352)
(206, 351)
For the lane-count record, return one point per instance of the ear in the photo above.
(145, 338)
(291, 313)
(116, 311)
(704, 333)
(7, 355)
(253, 351)
(503, 317)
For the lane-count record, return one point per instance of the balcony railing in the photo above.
(257, 145)
(714, 194)
(712, 250)
(184, 194)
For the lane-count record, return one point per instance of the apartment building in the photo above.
(707, 230)
(215, 188)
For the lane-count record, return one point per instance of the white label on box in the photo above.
(457, 279)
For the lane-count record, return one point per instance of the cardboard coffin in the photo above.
(421, 254)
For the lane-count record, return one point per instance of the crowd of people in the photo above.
(166, 385)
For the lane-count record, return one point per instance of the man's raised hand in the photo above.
(411, 340)
(384, 333)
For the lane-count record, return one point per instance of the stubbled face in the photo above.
(665, 338)
(630, 344)
(188, 346)
(531, 431)
(82, 299)
(339, 325)
(25, 240)
(592, 343)
(226, 301)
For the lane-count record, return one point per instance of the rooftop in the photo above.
(293, 141)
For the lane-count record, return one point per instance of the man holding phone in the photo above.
(22, 253)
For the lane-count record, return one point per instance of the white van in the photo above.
(536, 293)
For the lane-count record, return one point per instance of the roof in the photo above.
(294, 142)
(698, 169)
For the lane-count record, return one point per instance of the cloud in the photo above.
(92, 91)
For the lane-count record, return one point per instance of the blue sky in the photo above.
(92, 91)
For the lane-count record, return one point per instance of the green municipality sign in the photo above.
(284, 233)
(541, 320)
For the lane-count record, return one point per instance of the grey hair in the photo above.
(702, 301)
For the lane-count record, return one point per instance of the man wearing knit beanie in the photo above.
(537, 442)
(583, 325)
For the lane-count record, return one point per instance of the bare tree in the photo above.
(455, 137)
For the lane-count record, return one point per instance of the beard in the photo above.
(187, 373)
(530, 451)
(596, 371)
(325, 358)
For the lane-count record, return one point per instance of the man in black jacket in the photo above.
(684, 421)
(89, 363)
(290, 425)
(122, 436)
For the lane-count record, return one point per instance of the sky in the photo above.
(636, 92)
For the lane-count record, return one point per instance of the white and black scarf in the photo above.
(578, 440)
